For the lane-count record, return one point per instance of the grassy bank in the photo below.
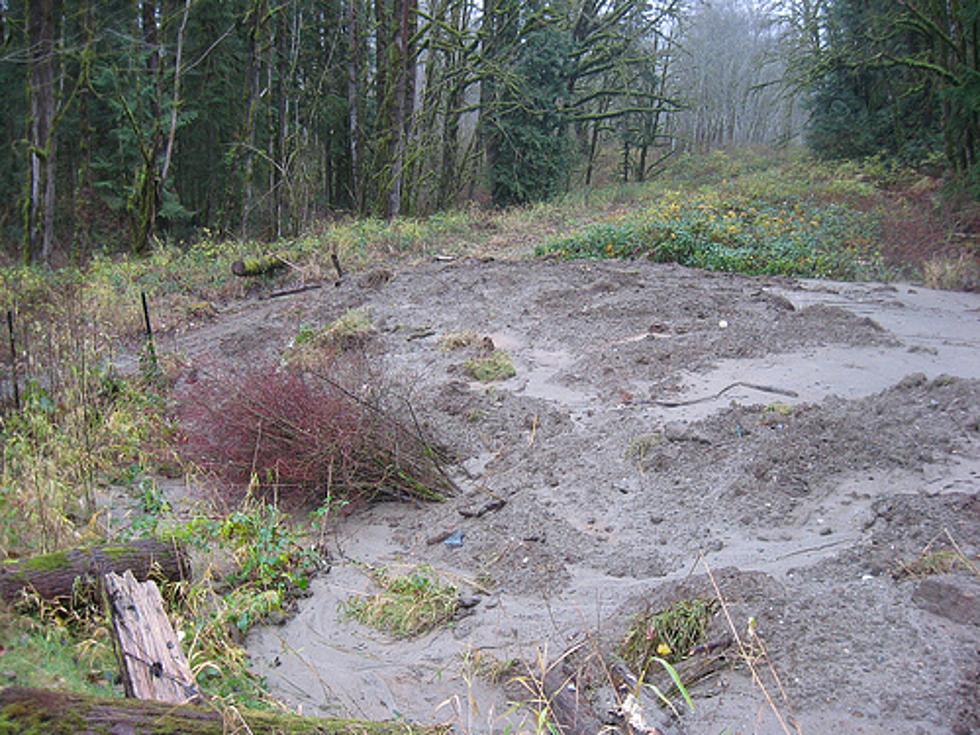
(747, 212)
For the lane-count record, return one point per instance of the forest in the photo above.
(127, 123)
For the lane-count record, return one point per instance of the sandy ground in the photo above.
(800, 505)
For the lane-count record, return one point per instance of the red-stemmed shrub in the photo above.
(304, 436)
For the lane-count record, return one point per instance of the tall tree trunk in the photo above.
(488, 90)
(84, 189)
(403, 103)
(354, 100)
(279, 161)
(409, 64)
(385, 68)
(259, 13)
(146, 188)
(395, 89)
(593, 151)
(175, 106)
(39, 231)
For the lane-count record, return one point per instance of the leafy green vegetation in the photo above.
(793, 215)
(257, 565)
(736, 234)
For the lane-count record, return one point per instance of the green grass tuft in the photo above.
(496, 366)
(407, 606)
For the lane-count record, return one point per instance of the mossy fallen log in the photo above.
(44, 712)
(261, 264)
(63, 573)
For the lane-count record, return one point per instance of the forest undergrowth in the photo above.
(75, 424)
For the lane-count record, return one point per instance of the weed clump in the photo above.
(953, 272)
(305, 437)
(642, 447)
(488, 667)
(457, 340)
(407, 606)
(78, 424)
(311, 349)
(936, 562)
(495, 366)
(669, 634)
(940, 556)
(350, 330)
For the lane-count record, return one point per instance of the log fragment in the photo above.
(57, 575)
(42, 712)
(575, 716)
(261, 264)
(151, 661)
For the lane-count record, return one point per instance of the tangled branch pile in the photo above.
(306, 437)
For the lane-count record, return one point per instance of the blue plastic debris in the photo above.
(455, 539)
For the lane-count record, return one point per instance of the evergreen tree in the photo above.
(902, 79)
(534, 153)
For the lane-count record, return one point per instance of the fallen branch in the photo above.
(294, 290)
(763, 388)
(495, 504)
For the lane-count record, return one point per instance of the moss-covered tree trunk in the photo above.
(355, 97)
(57, 575)
(258, 16)
(43, 712)
(39, 230)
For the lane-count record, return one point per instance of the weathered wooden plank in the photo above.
(153, 666)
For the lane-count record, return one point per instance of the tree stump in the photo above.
(58, 575)
(151, 661)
